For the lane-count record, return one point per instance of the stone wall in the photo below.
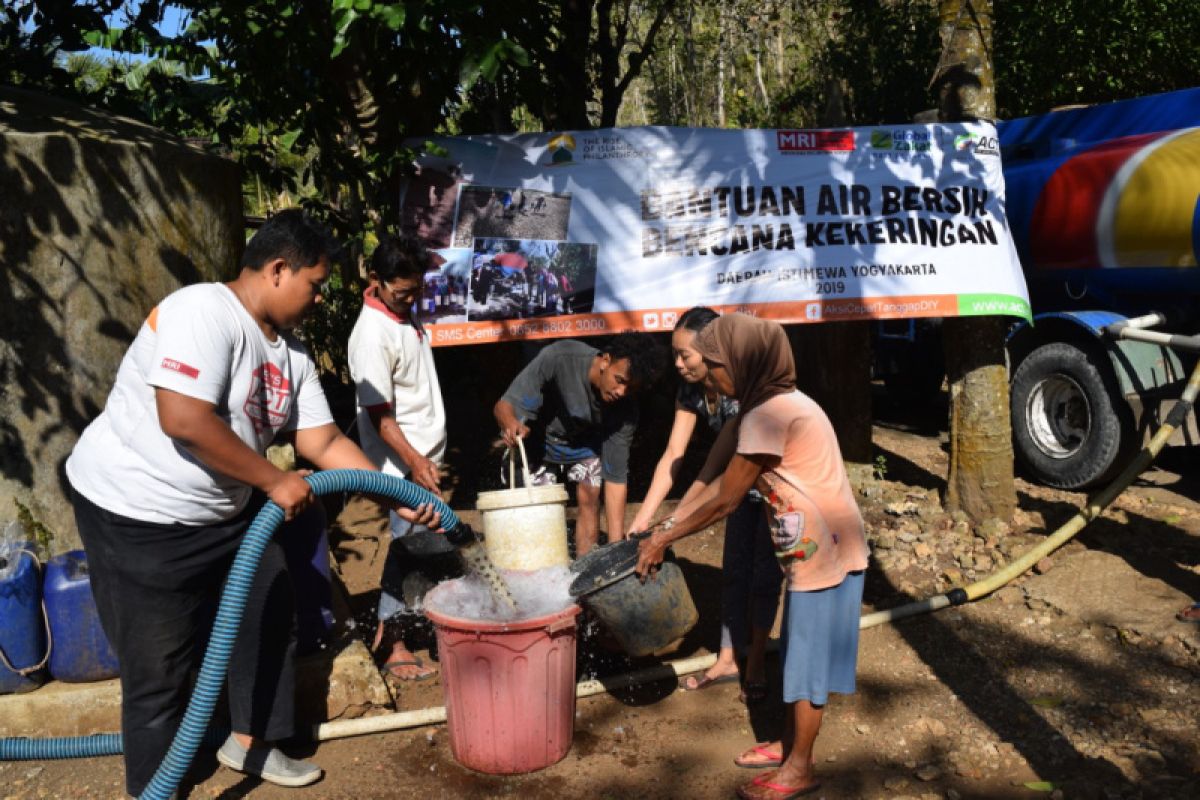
(100, 218)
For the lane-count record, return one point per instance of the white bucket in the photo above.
(525, 528)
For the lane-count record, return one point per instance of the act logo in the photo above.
(813, 311)
(650, 321)
(562, 150)
(981, 145)
(669, 318)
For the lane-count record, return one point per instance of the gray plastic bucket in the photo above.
(644, 618)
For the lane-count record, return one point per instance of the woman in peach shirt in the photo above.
(783, 445)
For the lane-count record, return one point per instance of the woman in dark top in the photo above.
(750, 574)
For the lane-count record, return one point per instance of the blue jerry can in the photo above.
(81, 650)
(22, 629)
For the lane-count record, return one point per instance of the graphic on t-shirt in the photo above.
(269, 401)
(786, 525)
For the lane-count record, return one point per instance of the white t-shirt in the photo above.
(201, 342)
(391, 363)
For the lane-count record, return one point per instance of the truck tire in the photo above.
(1071, 427)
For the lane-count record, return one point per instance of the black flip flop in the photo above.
(705, 682)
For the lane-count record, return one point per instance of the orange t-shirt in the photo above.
(815, 523)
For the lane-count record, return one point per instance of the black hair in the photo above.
(695, 319)
(292, 235)
(646, 358)
(400, 257)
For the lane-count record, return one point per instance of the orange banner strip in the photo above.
(663, 319)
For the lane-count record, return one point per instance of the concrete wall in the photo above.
(100, 218)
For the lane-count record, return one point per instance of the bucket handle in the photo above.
(526, 476)
(26, 671)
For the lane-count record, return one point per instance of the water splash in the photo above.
(537, 594)
(475, 560)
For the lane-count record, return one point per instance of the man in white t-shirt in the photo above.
(402, 427)
(167, 479)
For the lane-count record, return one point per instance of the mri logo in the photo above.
(818, 141)
(561, 150)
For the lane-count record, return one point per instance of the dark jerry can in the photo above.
(81, 650)
(643, 617)
(22, 628)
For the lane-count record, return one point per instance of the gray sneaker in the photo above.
(268, 763)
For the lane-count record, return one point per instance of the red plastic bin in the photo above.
(509, 689)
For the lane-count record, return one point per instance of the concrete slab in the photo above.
(332, 684)
(1101, 588)
(62, 709)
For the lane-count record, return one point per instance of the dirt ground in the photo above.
(1046, 689)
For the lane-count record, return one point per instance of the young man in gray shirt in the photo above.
(585, 398)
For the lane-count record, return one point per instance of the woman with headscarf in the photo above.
(785, 447)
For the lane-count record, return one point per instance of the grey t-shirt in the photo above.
(578, 425)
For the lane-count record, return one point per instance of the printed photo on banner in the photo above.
(521, 278)
(430, 195)
(444, 296)
(510, 212)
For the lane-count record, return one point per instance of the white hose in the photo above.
(433, 715)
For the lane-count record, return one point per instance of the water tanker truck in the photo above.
(1104, 205)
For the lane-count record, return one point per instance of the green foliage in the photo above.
(780, 62)
(327, 329)
(1092, 51)
(880, 468)
(42, 535)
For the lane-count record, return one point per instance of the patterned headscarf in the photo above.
(755, 351)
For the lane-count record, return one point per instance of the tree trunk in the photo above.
(980, 481)
(833, 367)
(565, 106)
(722, 46)
(833, 359)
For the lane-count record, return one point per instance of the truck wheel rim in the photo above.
(1058, 416)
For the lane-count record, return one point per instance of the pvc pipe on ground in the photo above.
(340, 729)
(433, 715)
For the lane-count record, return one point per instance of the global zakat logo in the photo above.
(980, 145)
(562, 150)
(901, 140)
(797, 142)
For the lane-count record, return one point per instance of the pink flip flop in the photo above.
(770, 759)
(779, 791)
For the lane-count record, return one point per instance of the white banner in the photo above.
(570, 234)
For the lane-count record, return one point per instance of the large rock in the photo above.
(100, 218)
